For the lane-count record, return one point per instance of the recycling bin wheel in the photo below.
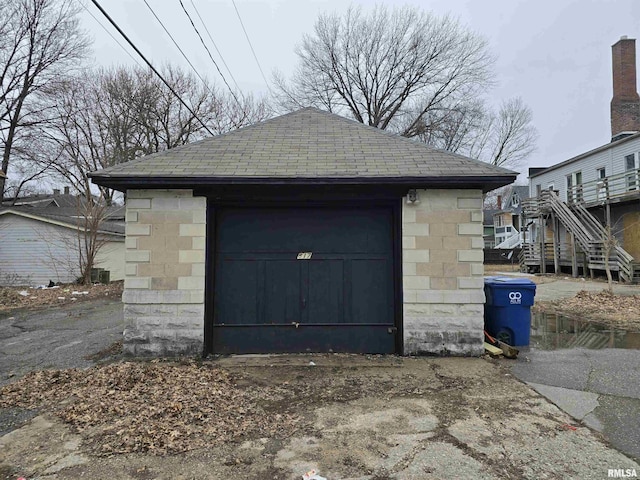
(505, 336)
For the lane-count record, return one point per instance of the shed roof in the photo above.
(306, 146)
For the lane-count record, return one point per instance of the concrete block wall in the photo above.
(164, 272)
(443, 272)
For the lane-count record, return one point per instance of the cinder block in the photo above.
(477, 268)
(409, 296)
(444, 283)
(429, 296)
(200, 243)
(191, 256)
(151, 270)
(190, 283)
(408, 242)
(177, 270)
(408, 214)
(199, 215)
(178, 243)
(415, 229)
(443, 229)
(416, 283)
(140, 203)
(137, 229)
(428, 243)
(137, 283)
(470, 256)
(131, 216)
(432, 269)
(193, 230)
(165, 203)
(409, 268)
(136, 256)
(131, 269)
(470, 282)
(456, 269)
(470, 229)
(164, 283)
(476, 216)
(470, 203)
(194, 204)
(417, 309)
(193, 310)
(131, 243)
(416, 256)
(477, 242)
(156, 296)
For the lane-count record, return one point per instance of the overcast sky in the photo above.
(555, 54)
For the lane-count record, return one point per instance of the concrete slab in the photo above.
(576, 403)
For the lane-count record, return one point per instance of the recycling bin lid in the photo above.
(510, 281)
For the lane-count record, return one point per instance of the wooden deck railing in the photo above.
(611, 188)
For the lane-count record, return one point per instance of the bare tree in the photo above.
(509, 137)
(110, 116)
(413, 73)
(390, 70)
(40, 44)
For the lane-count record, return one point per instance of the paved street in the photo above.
(599, 387)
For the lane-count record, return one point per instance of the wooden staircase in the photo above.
(591, 236)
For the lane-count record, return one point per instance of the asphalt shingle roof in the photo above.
(308, 143)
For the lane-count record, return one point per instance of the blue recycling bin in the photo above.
(507, 310)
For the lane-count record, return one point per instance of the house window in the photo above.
(574, 187)
(631, 172)
(602, 186)
(538, 190)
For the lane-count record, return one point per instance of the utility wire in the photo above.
(177, 46)
(211, 57)
(99, 7)
(111, 35)
(250, 45)
(214, 45)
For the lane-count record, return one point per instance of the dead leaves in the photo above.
(622, 311)
(10, 297)
(156, 407)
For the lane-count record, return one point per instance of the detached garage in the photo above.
(305, 233)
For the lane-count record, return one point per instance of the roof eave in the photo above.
(122, 183)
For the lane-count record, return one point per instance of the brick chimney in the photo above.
(625, 104)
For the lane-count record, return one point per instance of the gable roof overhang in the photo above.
(309, 149)
(119, 236)
(599, 149)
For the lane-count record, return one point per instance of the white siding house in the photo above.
(35, 250)
(618, 160)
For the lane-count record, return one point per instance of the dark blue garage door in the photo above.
(304, 280)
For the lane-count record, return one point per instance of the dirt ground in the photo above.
(347, 416)
(25, 297)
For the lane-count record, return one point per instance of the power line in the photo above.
(110, 34)
(214, 45)
(177, 46)
(250, 45)
(211, 57)
(99, 7)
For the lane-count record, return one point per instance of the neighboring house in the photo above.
(507, 220)
(576, 198)
(39, 241)
(308, 232)
(488, 229)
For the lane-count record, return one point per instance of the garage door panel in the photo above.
(316, 338)
(269, 300)
(325, 287)
(323, 230)
(237, 301)
(282, 288)
(371, 298)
